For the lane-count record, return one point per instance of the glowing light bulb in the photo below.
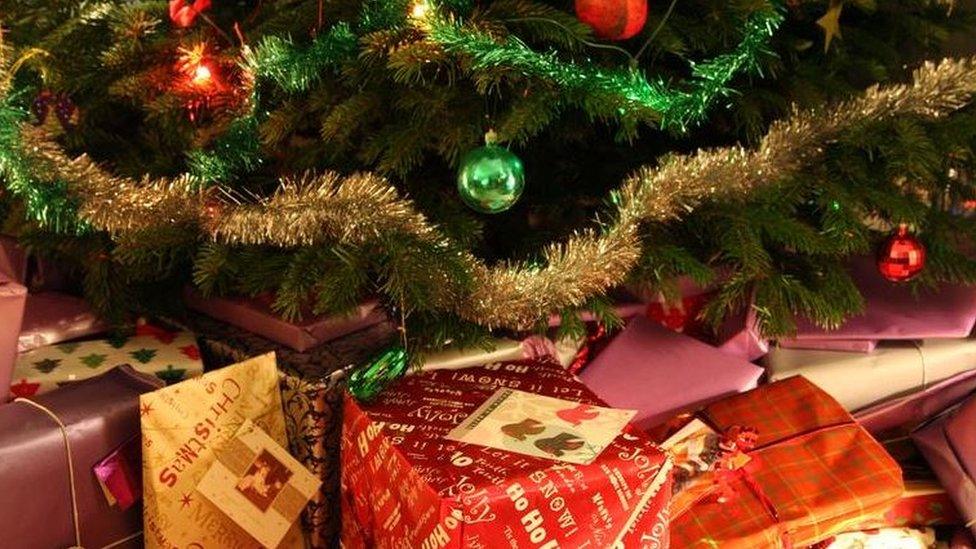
(419, 9)
(202, 75)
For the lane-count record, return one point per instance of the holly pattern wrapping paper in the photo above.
(170, 356)
(405, 485)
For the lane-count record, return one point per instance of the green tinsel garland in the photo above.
(677, 108)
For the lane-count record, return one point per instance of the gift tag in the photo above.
(258, 484)
(541, 426)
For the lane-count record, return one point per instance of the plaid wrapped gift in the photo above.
(814, 472)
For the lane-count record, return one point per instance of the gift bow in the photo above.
(71, 476)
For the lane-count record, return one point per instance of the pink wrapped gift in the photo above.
(893, 311)
(12, 298)
(660, 373)
(54, 317)
(895, 369)
(738, 335)
(949, 445)
(905, 413)
(255, 315)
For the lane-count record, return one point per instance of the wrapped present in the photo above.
(659, 372)
(898, 312)
(312, 383)
(738, 335)
(949, 445)
(49, 501)
(844, 345)
(171, 357)
(54, 317)
(183, 426)
(255, 315)
(896, 368)
(12, 299)
(406, 485)
(503, 349)
(812, 472)
(897, 417)
(924, 502)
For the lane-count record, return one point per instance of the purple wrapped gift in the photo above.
(255, 315)
(660, 373)
(99, 414)
(908, 412)
(53, 317)
(12, 298)
(893, 311)
(739, 336)
(949, 445)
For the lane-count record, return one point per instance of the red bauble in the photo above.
(613, 19)
(901, 257)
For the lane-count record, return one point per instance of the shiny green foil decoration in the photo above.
(491, 179)
(370, 380)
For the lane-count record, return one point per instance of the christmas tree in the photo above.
(482, 165)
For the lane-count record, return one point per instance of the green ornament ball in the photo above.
(491, 179)
(370, 380)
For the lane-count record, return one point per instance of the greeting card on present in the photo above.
(258, 484)
(540, 426)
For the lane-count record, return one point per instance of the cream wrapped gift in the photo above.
(895, 368)
(183, 428)
(502, 350)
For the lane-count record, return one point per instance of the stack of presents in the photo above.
(231, 427)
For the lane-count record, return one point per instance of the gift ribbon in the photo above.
(71, 476)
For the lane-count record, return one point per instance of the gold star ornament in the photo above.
(830, 23)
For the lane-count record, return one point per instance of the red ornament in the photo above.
(901, 257)
(613, 19)
(182, 12)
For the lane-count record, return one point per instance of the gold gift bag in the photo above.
(182, 426)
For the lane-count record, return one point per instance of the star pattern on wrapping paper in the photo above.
(186, 500)
(145, 408)
(24, 389)
(93, 360)
(68, 348)
(171, 374)
(191, 351)
(143, 355)
(47, 365)
(117, 341)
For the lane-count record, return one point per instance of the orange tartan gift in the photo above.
(813, 473)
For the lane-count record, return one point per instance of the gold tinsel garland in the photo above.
(361, 207)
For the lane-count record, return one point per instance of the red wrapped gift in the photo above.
(255, 315)
(405, 485)
(812, 473)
